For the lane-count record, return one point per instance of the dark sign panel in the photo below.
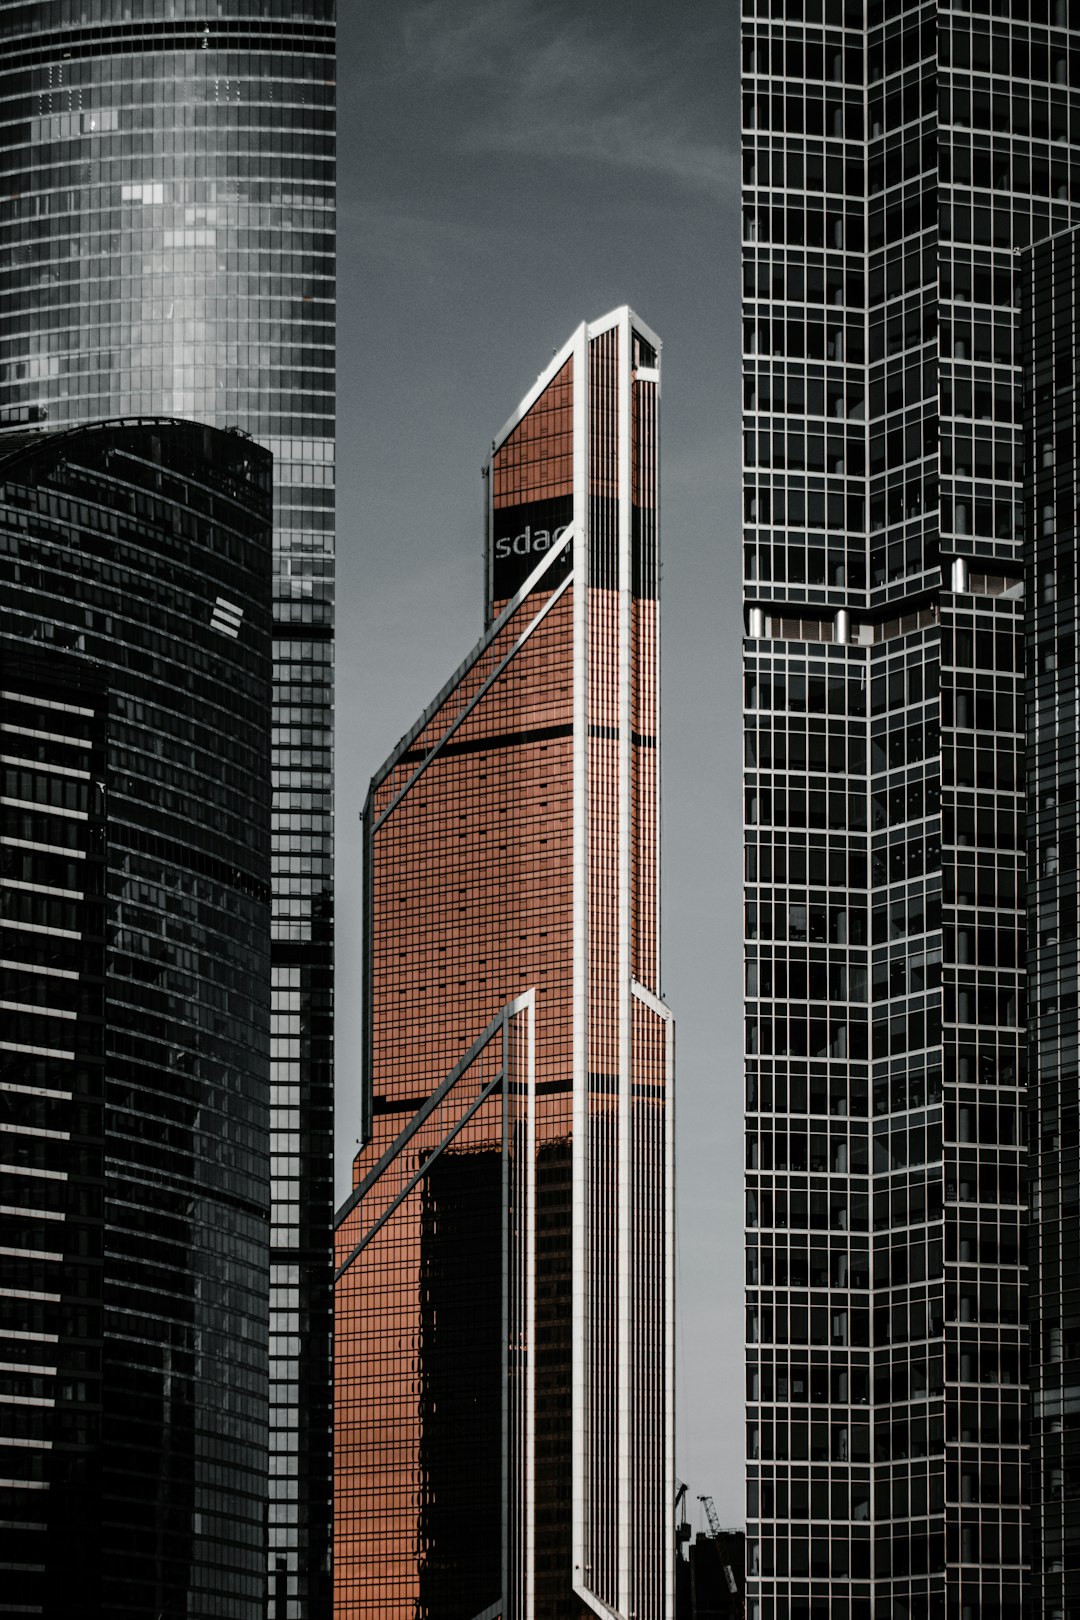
(520, 539)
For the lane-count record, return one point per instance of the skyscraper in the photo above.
(895, 157)
(135, 680)
(503, 1342)
(167, 247)
(1051, 354)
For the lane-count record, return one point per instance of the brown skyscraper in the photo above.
(504, 1326)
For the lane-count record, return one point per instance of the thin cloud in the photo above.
(631, 139)
(451, 42)
(393, 235)
(529, 79)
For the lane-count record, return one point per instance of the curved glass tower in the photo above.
(135, 573)
(166, 246)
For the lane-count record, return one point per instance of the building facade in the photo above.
(135, 682)
(710, 1579)
(167, 247)
(896, 156)
(1051, 354)
(503, 1343)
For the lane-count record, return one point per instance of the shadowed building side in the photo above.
(135, 682)
(1048, 284)
(167, 194)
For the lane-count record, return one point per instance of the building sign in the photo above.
(519, 540)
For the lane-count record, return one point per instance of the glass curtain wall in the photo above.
(167, 222)
(503, 1339)
(135, 635)
(1051, 370)
(895, 155)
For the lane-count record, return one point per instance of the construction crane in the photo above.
(718, 1537)
(710, 1514)
(682, 1525)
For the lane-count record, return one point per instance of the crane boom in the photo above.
(710, 1514)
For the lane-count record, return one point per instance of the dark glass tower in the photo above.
(166, 246)
(1050, 288)
(135, 680)
(895, 157)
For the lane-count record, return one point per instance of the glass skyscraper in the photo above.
(1051, 355)
(167, 246)
(135, 680)
(503, 1337)
(896, 155)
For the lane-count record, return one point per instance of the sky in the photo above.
(507, 169)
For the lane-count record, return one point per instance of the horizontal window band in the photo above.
(35, 1091)
(47, 703)
(35, 1051)
(870, 625)
(291, 630)
(44, 809)
(142, 38)
(42, 767)
(480, 745)
(34, 1130)
(398, 1105)
(46, 736)
(409, 1105)
(604, 1083)
(41, 888)
(611, 733)
(488, 647)
(39, 928)
(515, 739)
(873, 615)
(839, 630)
(174, 853)
(45, 849)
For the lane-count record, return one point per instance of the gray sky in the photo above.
(509, 168)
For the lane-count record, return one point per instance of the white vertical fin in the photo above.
(579, 1145)
(625, 1124)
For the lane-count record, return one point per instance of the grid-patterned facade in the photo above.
(895, 157)
(1051, 354)
(516, 1173)
(51, 1094)
(135, 681)
(167, 231)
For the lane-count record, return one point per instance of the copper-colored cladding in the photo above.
(536, 461)
(470, 904)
